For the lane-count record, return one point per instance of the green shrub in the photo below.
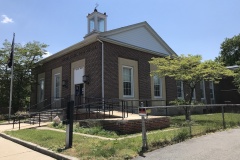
(181, 136)
(177, 102)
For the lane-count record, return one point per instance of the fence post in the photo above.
(144, 135)
(39, 119)
(189, 121)
(104, 109)
(51, 115)
(13, 122)
(69, 122)
(223, 119)
(122, 110)
(19, 122)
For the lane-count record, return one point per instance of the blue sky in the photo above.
(187, 26)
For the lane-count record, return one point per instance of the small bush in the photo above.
(21, 113)
(184, 102)
(3, 117)
(57, 125)
(181, 136)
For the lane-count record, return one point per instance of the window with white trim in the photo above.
(56, 86)
(211, 87)
(180, 90)
(127, 81)
(194, 94)
(202, 89)
(41, 92)
(157, 86)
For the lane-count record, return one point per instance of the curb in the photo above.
(37, 148)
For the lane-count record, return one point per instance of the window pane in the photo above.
(157, 86)
(194, 94)
(127, 81)
(127, 74)
(91, 25)
(202, 89)
(41, 98)
(127, 88)
(57, 86)
(179, 89)
(211, 90)
(100, 24)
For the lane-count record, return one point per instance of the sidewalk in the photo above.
(10, 148)
(11, 151)
(215, 146)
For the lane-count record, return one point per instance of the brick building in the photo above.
(226, 91)
(112, 64)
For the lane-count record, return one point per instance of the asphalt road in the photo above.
(223, 145)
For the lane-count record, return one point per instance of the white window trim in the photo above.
(42, 79)
(132, 82)
(160, 88)
(204, 93)
(54, 89)
(181, 91)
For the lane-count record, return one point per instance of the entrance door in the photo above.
(79, 94)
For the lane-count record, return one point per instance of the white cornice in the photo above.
(76, 46)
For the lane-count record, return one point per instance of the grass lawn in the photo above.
(94, 148)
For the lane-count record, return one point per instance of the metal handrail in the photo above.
(37, 104)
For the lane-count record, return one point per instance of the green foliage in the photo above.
(182, 135)
(184, 102)
(96, 130)
(178, 102)
(189, 69)
(230, 51)
(58, 126)
(3, 117)
(25, 58)
(236, 79)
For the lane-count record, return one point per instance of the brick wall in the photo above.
(92, 55)
(112, 52)
(132, 126)
(226, 91)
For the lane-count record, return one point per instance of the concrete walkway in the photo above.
(11, 151)
(223, 145)
(10, 148)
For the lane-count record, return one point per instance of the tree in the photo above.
(25, 58)
(230, 51)
(190, 70)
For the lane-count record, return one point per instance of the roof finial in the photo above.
(95, 9)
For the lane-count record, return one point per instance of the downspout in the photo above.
(102, 70)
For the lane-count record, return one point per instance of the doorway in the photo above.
(79, 94)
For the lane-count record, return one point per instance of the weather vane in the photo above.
(96, 6)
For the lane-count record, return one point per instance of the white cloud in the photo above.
(47, 54)
(6, 19)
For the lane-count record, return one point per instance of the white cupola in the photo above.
(97, 22)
